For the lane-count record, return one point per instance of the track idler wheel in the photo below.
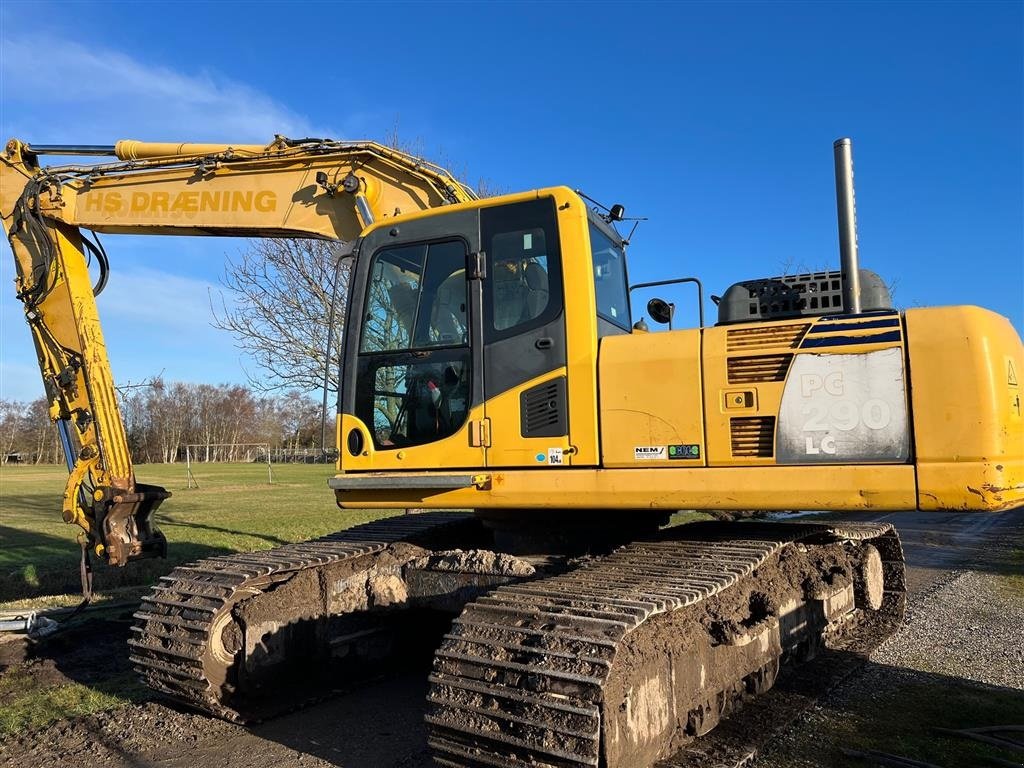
(869, 581)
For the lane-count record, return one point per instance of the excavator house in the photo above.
(492, 377)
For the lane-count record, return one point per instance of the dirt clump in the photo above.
(480, 561)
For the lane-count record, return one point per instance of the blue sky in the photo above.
(715, 121)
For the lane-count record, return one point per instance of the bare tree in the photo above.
(277, 307)
(279, 298)
(164, 416)
(12, 427)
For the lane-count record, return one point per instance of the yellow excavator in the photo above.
(490, 364)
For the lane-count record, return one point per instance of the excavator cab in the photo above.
(464, 323)
(458, 325)
(543, 376)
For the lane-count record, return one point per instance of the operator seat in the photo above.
(536, 291)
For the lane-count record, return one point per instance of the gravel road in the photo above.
(964, 630)
(969, 629)
(961, 626)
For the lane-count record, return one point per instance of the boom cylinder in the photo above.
(130, 149)
(846, 207)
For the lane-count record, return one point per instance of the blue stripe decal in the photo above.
(845, 341)
(862, 315)
(830, 327)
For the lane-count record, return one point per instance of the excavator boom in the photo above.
(312, 188)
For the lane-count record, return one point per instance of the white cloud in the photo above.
(153, 320)
(113, 95)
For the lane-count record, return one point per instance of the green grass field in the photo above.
(234, 509)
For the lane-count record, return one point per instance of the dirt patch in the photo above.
(339, 588)
(14, 649)
(149, 729)
(479, 561)
(88, 652)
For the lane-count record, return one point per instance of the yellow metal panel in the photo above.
(965, 365)
(650, 388)
(781, 488)
(488, 202)
(508, 447)
(455, 451)
(580, 324)
(270, 191)
(725, 400)
(743, 394)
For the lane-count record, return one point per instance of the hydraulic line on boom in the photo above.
(307, 187)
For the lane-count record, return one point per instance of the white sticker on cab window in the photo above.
(649, 452)
(528, 241)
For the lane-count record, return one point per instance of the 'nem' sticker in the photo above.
(649, 452)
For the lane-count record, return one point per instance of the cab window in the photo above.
(610, 286)
(520, 280)
(417, 298)
(413, 384)
(523, 289)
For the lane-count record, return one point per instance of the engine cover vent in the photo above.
(753, 436)
(767, 337)
(542, 410)
(749, 370)
(792, 296)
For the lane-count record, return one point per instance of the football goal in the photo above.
(202, 453)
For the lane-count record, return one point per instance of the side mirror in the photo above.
(661, 311)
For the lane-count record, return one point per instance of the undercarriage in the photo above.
(611, 658)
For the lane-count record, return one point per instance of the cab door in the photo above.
(522, 327)
(412, 388)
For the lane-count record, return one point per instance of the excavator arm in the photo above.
(310, 188)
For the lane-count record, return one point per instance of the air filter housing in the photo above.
(814, 293)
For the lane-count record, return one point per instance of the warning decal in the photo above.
(1011, 374)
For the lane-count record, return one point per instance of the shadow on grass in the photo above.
(168, 521)
(38, 564)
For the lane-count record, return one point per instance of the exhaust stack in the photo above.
(846, 207)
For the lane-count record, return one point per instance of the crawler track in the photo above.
(744, 736)
(187, 642)
(531, 675)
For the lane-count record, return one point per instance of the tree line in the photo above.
(162, 417)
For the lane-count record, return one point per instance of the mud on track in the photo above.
(381, 722)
